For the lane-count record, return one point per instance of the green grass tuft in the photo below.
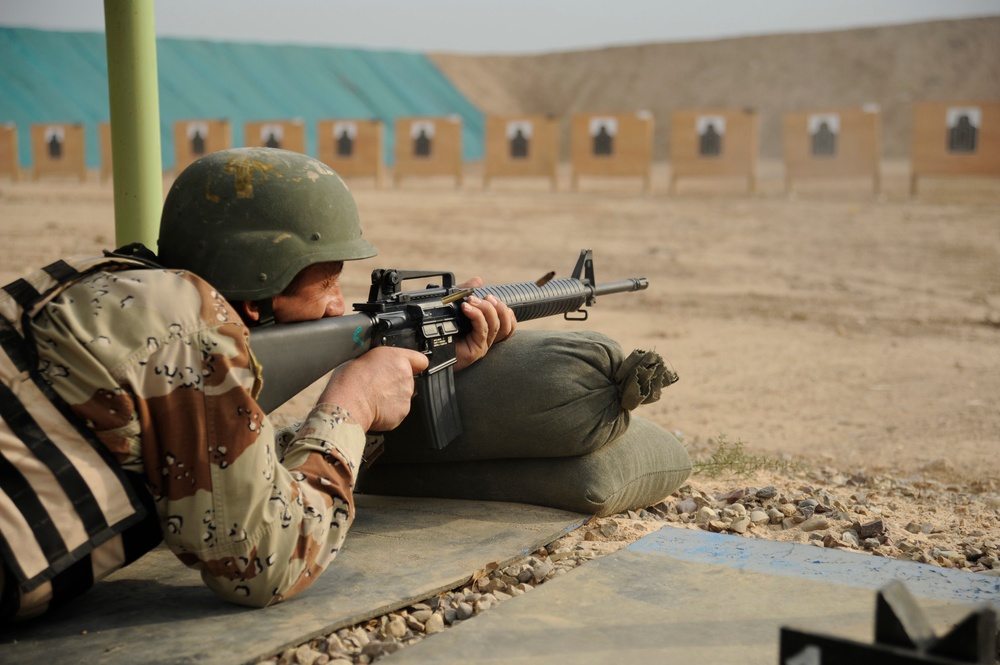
(732, 458)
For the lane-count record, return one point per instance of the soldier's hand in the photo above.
(377, 387)
(492, 322)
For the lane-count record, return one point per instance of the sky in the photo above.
(492, 26)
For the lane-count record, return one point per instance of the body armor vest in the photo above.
(62, 493)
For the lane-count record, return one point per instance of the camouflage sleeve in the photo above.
(260, 529)
(159, 365)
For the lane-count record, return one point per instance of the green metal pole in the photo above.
(135, 120)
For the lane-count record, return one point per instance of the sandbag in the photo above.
(542, 393)
(635, 470)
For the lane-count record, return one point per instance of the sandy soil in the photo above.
(829, 327)
(854, 336)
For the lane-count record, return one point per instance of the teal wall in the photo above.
(63, 77)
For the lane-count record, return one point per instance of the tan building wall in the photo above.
(521, 146)
(353, 147)
(833, 143)
(107, 166)
(282, 134)
(428, 147)
(955, 138)
(10, 165)
(714, 143)
(58, 150)
(612, 144)
(193, 139)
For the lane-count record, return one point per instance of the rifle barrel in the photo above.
(630, 284)
(557, 296)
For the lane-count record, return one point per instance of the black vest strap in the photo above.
(21, 493)
(23, 293)
(15, 347)
(10, 595)
(49, 454)
(61, 271)
(74, 581)
(62, 558)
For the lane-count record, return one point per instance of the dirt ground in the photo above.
(831, 326)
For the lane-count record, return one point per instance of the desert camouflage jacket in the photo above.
(159, 366)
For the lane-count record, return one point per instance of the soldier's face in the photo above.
(313, 294)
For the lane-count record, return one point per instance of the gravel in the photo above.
(938, 523)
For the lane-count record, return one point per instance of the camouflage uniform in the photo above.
(158, 364)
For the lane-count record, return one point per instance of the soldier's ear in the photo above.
(248, 310)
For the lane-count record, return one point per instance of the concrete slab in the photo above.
(399, 550)
(683, 596)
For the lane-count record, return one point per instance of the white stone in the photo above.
(435, 624)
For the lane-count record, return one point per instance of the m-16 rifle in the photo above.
(428, 320)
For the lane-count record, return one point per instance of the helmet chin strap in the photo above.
(265, 308)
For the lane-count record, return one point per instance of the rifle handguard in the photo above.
(557, 296)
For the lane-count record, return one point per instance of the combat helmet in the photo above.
(247, 220)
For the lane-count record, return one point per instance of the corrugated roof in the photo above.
(48, 76)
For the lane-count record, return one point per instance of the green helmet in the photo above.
(248, 220)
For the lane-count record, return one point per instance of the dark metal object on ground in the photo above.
(903, 636)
